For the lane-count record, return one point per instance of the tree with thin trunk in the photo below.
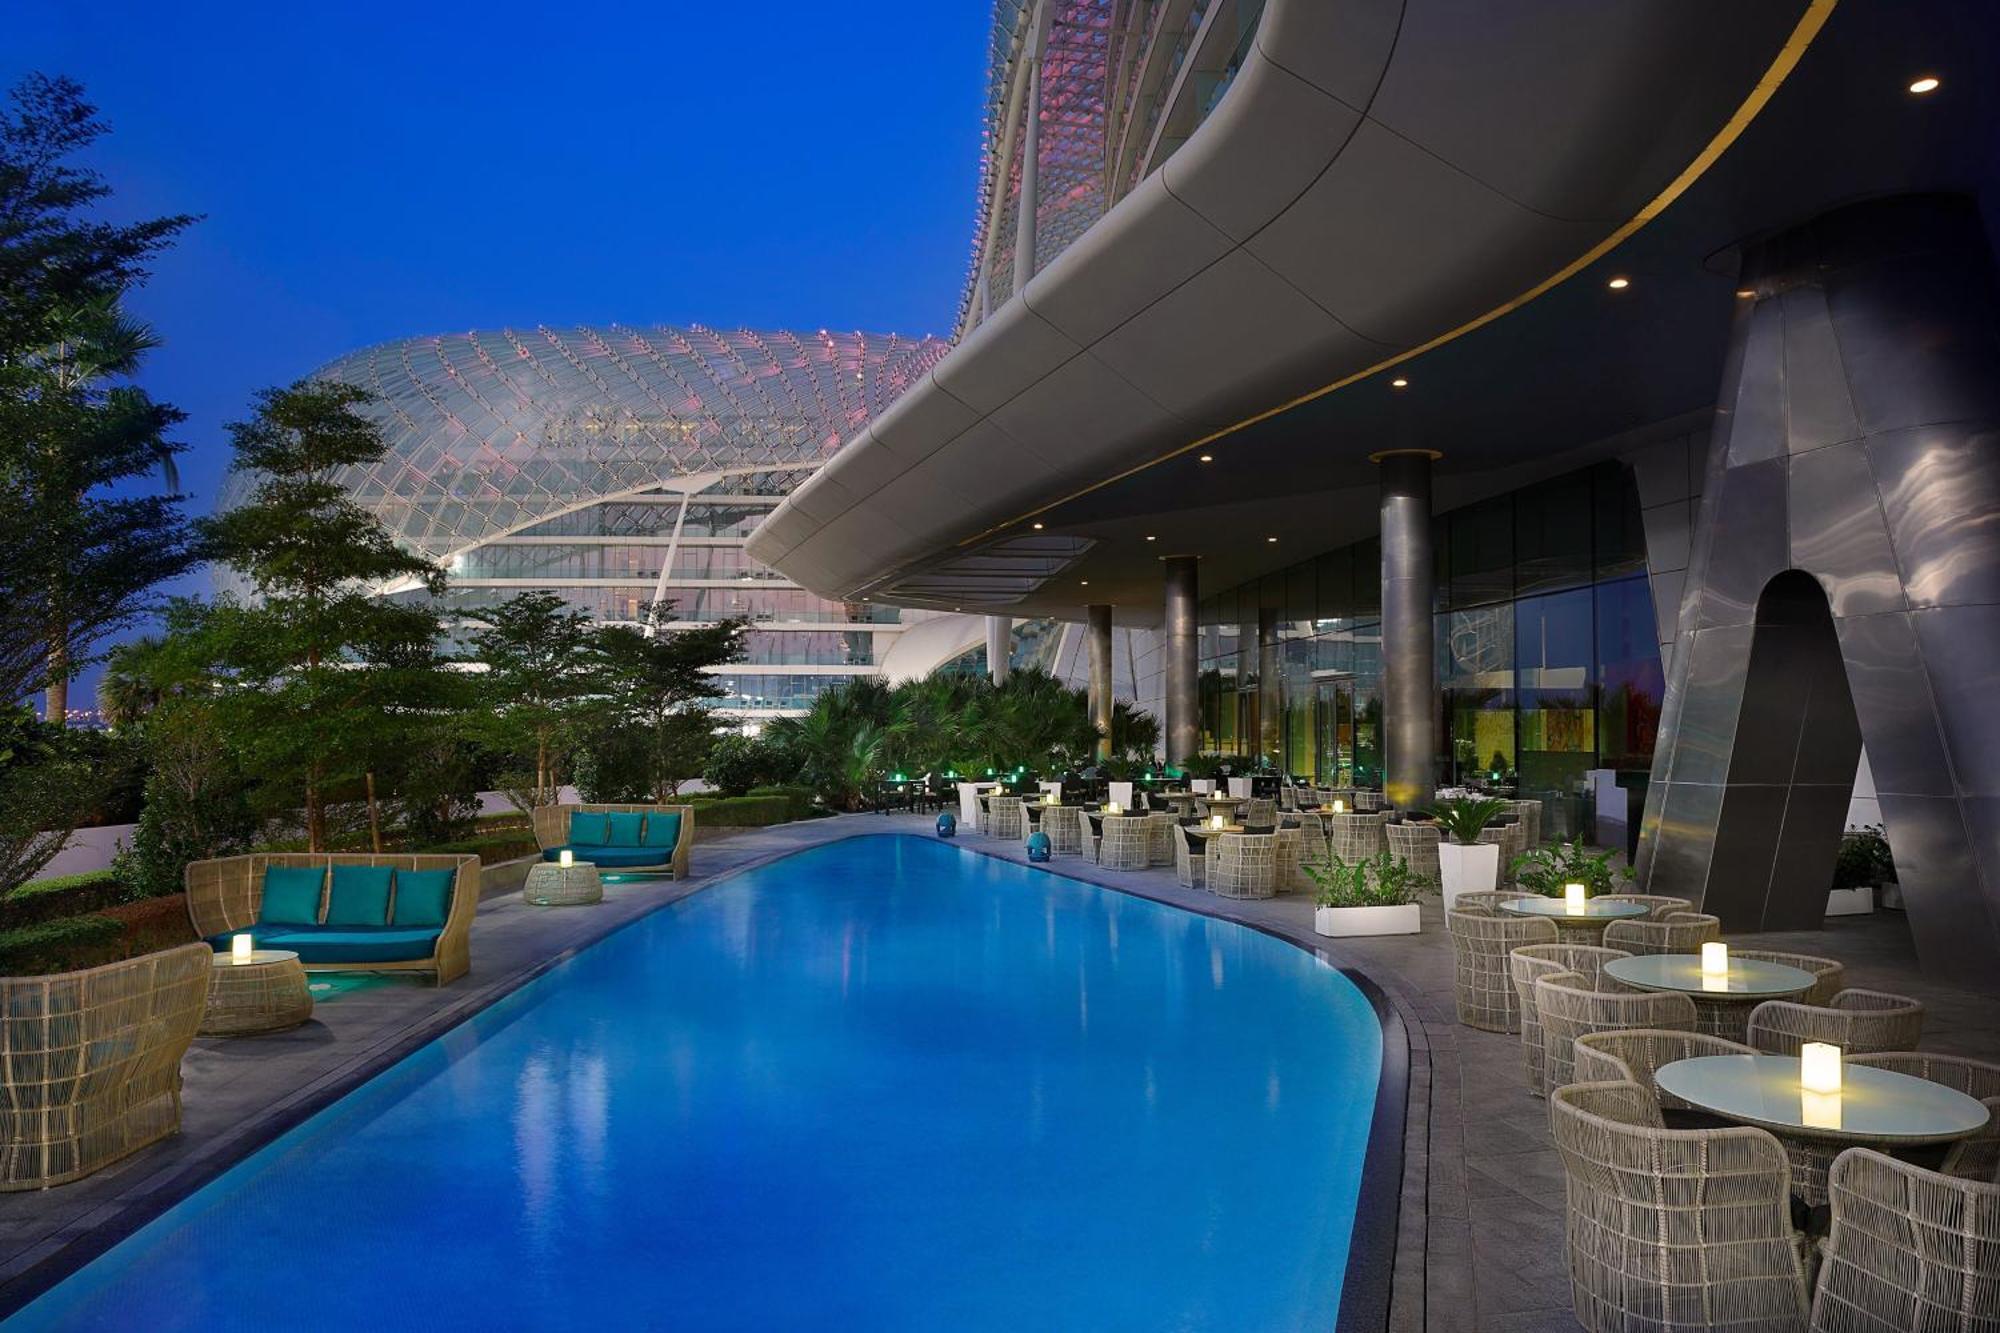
(326, 665)
(657, 680)
(73, 434)
(541, 662)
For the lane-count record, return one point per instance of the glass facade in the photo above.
(624, 467)
(1547, 663)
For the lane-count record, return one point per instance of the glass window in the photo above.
(1630, 681)
(1555, 659)
(1335, 576)
(1476, 678)
(1482, 553)
(1552, 525)
(1621, 534)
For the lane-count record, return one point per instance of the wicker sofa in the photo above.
(93, 1063)
(633, 846)
(226, 896)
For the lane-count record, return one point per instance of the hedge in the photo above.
(492, 848)
(741, 812)
(60, 896)
(62, 945)
(801, 801)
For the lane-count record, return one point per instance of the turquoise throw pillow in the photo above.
(662, 830)
(360, 896)
(587, 828)
(291, 896)
(423, 897)
(623, 826)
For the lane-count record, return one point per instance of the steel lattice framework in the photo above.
(490, 432)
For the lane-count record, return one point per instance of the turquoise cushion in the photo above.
(623, 827)
(423, 897)
(612, 858)
(360, 896)
(353, 944)
(662, 829)
(291, 895)
(588, 827)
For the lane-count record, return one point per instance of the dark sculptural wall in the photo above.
(1857, 439)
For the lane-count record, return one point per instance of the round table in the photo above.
(266, 994)
(1722, 1004)
(1210, 831)
(1590, 920)
(1875, 1107)
(551, 884)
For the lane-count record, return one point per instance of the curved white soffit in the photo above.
(926, 645)
(1381, 173)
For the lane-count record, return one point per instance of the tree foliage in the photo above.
(541, 668)
(323, 675)
(655, 682)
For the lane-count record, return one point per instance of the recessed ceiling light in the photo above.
(1399, 384)
(1619, 284)
(1927, 84)
(1084, 582)
(1152, 539)
(1744, 293)
(1038, 527)
(1208, 458)
(1270, 539)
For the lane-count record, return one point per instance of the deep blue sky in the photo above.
(372, 170)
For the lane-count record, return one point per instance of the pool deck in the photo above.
(1479, 1240)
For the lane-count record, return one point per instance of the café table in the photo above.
(1875, 1108)
(1210, 831)
(1587, 921)
(1722, 1004)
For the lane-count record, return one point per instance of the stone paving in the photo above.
(1479, 1240)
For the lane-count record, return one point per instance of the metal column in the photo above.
(999, 647)
(1180, 633)
(1409, 657)
(1270, 689)
(1100, 676)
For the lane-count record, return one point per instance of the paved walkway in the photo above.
(1480, 1236)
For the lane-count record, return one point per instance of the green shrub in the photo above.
(742, 812)
(739, 765)
(1462, 818)
(492, 848)
(1545, 870)
(60, 896)
(1381, 880)
(61, 945)
(1864, 859)
(801, 802)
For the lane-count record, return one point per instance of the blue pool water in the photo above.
(884, 1083)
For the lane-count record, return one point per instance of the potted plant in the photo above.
(1375, 896)
(1465, 864)
(1202, 771)
(1547, 870)
(1862, 869)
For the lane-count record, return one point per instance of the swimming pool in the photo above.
(884, 1083)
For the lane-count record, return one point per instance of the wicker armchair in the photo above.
(1529, 813)
(1531, 962)
(1258, 810)
(1060, 822)
(1910, 1249)
(1366, 802)
(226, 895)
(1661, 906)
(1512, 839)
(1680, 932)
(1634, 1055)
(1358, 837)
(1569, 1006)
(91, 1069)
(1976, 1158)
(1674, 1229)
(1190, 859)
(1288, 851)
(1831, 972)
(1161, 830)
(1005, 819)
(1418, 845)
(1857, 1021)
(1480, 945)
(1488, 900)
(552, 830)
(1090, 833)
(1243, 865)
(1127, 843)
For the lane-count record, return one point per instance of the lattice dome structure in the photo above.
(490, 432)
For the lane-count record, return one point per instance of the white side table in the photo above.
(553, 885)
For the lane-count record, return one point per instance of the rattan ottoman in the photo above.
(266, 994)
(552, 885)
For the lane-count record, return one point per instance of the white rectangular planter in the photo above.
(1403, 919)
(1850, 902)
(1474, 869)
(1121, 793)
(1202, 786)
(1240, 787)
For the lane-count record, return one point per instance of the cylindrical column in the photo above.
(1099, 627)
(1031, 152)
(1409, 660)
(1179, 631)
(999, 647)
(1270, 689)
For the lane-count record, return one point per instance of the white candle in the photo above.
(1215, 821)
(566, 858)
(1340, 807)
(1819, 1067)
(1573, 899)
(1819, 1110)
(241, 947)
(1111, 808)
(1715, 959)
